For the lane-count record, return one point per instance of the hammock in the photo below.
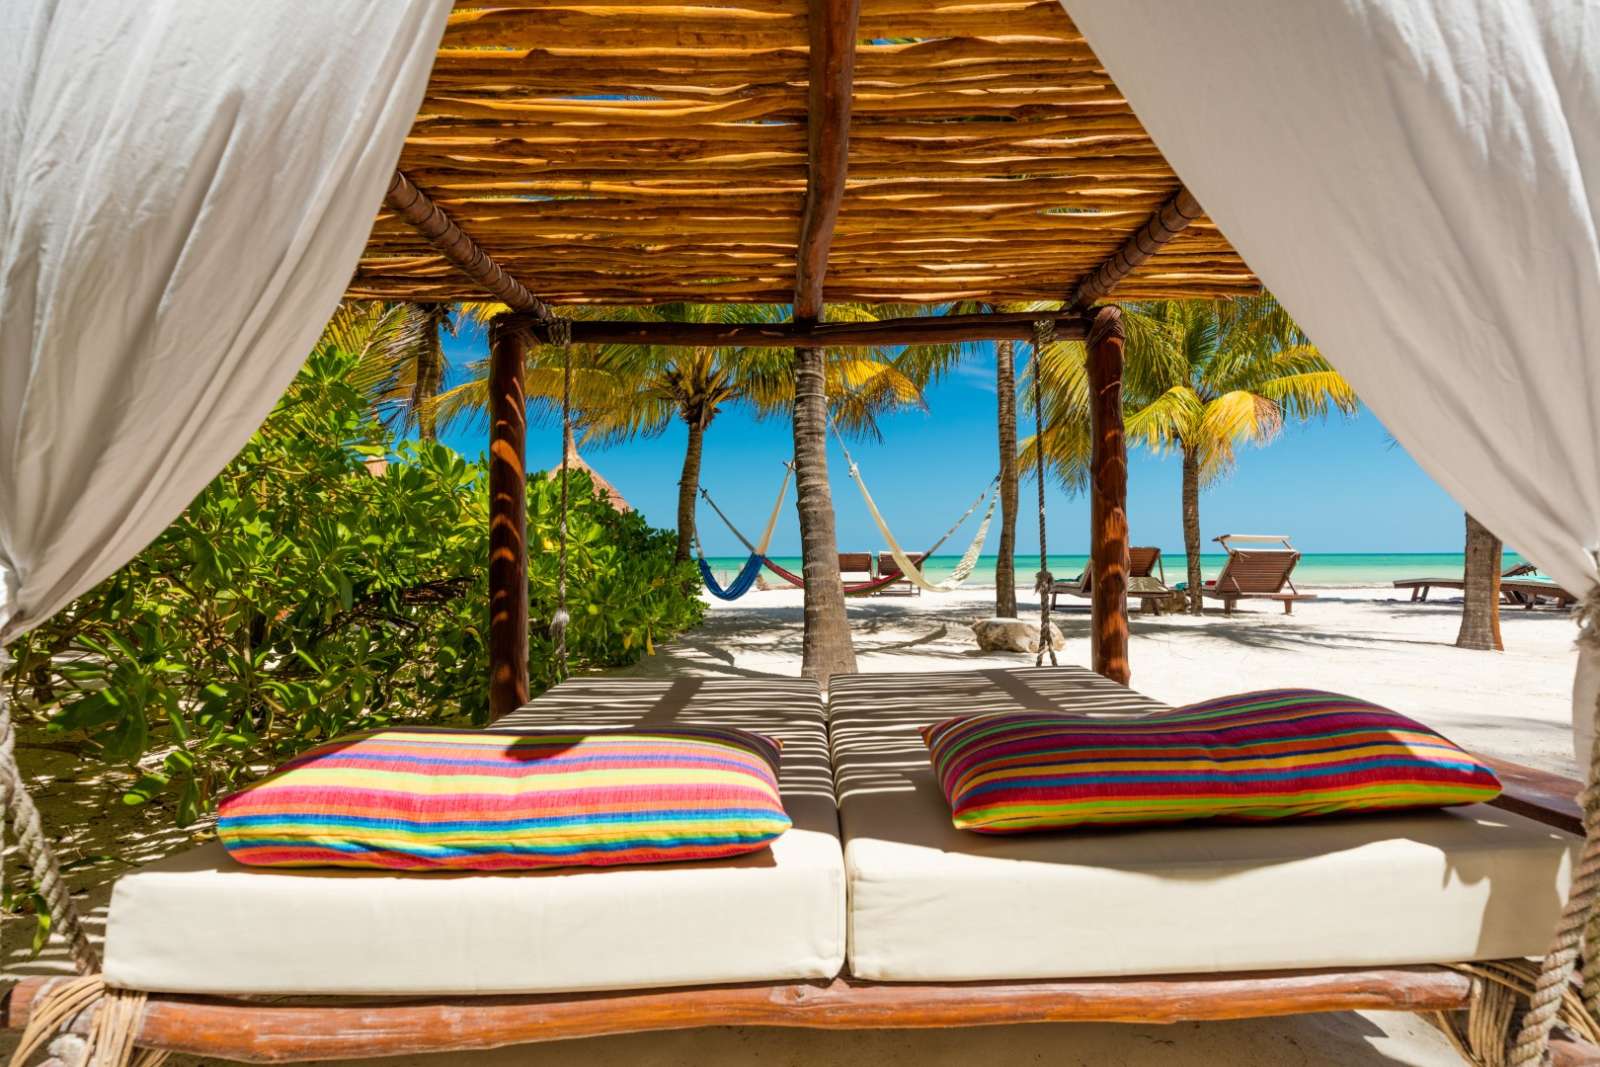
(741, 583)
(758, 555)
(908, 567)
(746, 578)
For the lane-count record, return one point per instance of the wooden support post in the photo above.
(1108, 517)
(508, 522)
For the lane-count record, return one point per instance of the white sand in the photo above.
(1366, 642)
(1514, 704)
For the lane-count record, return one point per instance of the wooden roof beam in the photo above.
(1168, 220)
(441, 231)
(831, 63)
(917, 329)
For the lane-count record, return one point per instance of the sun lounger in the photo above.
(1518, 587)
(929, 902)
(1530, 592)
(887, 566)
(1421, 587)
(1253, 573)
(198, 922)
(855, 567)
(1147, 580)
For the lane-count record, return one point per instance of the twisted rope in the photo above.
(1044, 335)
(559, 621)
(1500, 989)
(33, 844)
(1579, 915)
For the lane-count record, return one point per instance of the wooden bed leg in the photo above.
(508, 522)
(1108, 499)
(1288, 607)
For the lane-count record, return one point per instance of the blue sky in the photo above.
(1335, 486)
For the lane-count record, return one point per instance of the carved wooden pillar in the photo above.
(1108, 501)
(508, 521)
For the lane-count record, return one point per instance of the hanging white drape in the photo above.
(185, 189)
(1418, 182)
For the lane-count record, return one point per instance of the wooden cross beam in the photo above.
(1169, 220)
(832, 64)
(914, 329)
(441, 231)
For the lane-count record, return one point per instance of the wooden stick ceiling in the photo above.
(618, 152)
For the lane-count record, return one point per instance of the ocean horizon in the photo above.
(1316, 570)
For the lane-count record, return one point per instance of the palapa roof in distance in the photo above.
(640, 151)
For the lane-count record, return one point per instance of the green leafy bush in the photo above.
(300, 597)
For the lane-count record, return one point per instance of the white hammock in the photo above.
(907, 566)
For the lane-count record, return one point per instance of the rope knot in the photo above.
(559, 331)
(1042, 581)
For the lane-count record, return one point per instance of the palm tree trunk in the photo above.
(1480, 600)
(1005, 567)
(1191, 525)
(430, 378)
(826, 648)
(688, 485)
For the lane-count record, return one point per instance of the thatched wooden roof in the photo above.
(639, 151)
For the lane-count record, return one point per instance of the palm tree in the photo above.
(1005, 566)
(405, 374)
(621, 392)
(1480, 590)
(1201, 377)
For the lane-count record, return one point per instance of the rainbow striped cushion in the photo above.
(452, 800)
(1275, 754)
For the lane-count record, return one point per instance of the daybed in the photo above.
(928, 902)
(944, 928)
(200, 923)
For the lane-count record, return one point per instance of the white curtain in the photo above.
(1418, 181)
(185, 188)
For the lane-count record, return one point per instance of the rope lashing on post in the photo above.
(560, 333)
(34, 846)
(1575, 935)
(1044, 335)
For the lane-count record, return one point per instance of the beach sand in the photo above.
(1366, 642)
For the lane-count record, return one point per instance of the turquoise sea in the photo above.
(1316, 569)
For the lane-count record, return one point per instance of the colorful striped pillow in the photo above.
(1275, 754)
(453, 800)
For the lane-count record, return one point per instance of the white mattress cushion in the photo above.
(198, 922)
(929, 902)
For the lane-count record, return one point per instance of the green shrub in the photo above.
(300, 597)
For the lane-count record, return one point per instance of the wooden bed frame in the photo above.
(286, 1030)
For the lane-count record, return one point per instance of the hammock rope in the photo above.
(561, 335)
(908, 566)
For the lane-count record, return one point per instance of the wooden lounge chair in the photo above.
(886, 861)
(1256, 573)
(855, 567)
(1147, 580)
(1531, 592)
(1517, 588)
(1421, 587)
(887, 567)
